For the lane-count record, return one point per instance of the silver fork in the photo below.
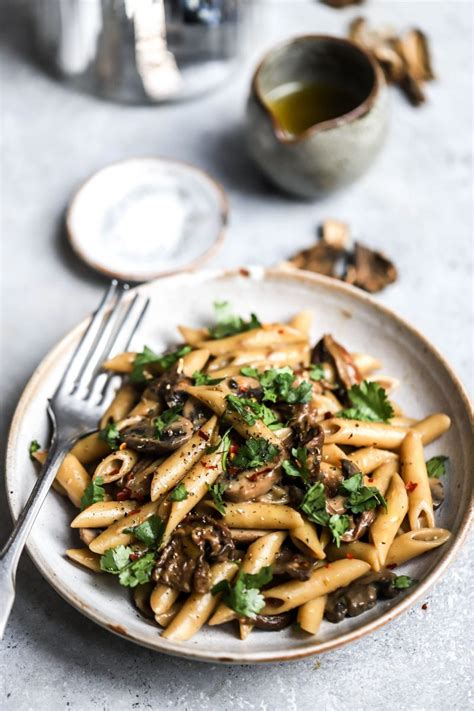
(74, 411)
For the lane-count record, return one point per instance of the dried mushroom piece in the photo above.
(405, 60)
(370, 270)
(321, 258)
(338, 4)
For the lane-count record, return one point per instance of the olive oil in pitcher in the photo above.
(297, 106)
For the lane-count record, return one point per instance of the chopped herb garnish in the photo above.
(254, 453)
(165, 419)
(111, 435)
(402, 582)
(94, 492)
(277, 384)
(361, 498)
(436, 466)
(250, 411)
(130, 572)
(244, 596)
(298, 467)
(369, 402)
(216, 491)
(179, 493)
(228, 324)
(149, 532)
(205, 379)
(338, 525)
(317, 372)
(149, 358)
(314, 504)
(34, 447)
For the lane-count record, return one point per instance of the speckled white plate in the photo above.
(427, 385)
(146, 217)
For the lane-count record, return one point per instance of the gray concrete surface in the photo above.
(416, 204)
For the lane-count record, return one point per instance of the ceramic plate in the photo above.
(427, 385)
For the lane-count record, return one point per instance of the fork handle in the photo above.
(11, 551)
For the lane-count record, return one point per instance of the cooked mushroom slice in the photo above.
(274, 623)
(167, 387)
(358, 526)
(195, 411)
(276, 495)
(327, 349)
(349, 468)
(143, 437)
(292, 565)
(370, 270)
(437, 492)
(245, 386)
(360, 595)
(252, 483)
(336, 505)
(198, 541)
(321, 258)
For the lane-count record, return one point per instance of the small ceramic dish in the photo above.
(427, 385)
(146, 217)
(331, 153)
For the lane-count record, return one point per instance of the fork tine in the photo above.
(88, 338)
(124, 337)
(101, 347)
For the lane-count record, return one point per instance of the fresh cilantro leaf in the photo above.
(94, 492)
(179, 493)
(402, 582)
(111, 435)
(165, 419)
(369, 402)
(150, 531)
(314, 504)
(148, 358)
(205, 379)
(116, 559)
(244, 596)
(229, 324)
(361, 498)
(300, 467)
(277, 384)
(34, 447)
(138, 572)
(317, 372)
(216, 491)
(250, 411)
(338, 525)
(255, 452)
(436, 466)
(224, 448)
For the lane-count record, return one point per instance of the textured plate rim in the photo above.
(132, 276)
(246, 657)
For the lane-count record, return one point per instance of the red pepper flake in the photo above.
(123, 446)
(392, 566)
(281, 331)
(203, 435)
(349, 556)
(210, 466)
(244, 272)
(124, 494)
(234, 448)
(410, 486)
(424, 606)
(135, 511)
(134, 556)
(327, 565)
(370, 479)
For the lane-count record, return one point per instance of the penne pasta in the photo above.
(103, 514)
(310, 614)
(116, 465)
(115, 534)
(432, 427)
(415, 476)
(85, 557)
(164, 618)
(162, 598)
(357, 433)
(121, 363)
(366, 363)
(324, 580)
(268, 335)
(382, 476)
(332, 454)
(198, 607)
(90, 448)
(385, 527)
(178, 464)
(414, 543)
(302, 322)
(71, 477)
(259, 554)
(193, 361)
(357, 550)
(120, 406)
(257, 515)
(306, 538)
(368, 459)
